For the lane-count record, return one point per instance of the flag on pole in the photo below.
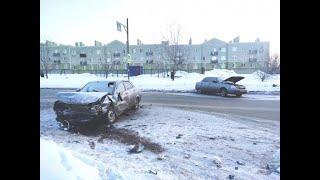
(118, 26)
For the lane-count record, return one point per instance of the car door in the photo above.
(214, 85)
(131, 92)
(205, 85)
(122, 98)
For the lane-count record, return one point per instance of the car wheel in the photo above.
(199, 91)
(223, 92)
(111, 116)
(238, 95)
(136, 104)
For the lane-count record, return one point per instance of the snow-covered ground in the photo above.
(205, 141)
(184, 81)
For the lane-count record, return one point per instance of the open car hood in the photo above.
(234, 79)
(80, 97)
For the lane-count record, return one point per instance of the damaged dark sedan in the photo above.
(220, 86)
(98, 101)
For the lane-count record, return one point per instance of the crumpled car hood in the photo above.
(80, 97)
(234, 79)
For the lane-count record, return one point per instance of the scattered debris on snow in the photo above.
(136, 148)
(217, 161)
(241, 163)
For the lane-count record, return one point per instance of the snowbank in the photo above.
(184, 81)
(57, 162)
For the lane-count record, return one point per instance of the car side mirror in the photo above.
(78, 90)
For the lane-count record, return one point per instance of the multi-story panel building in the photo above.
(214, 53)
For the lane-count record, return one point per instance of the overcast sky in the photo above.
(69, 21)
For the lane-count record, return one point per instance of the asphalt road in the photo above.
(253, 106)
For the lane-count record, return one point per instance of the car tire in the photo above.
(199, 91)
(136, 104)
(238, 95)
(111, 116)
(223, 92)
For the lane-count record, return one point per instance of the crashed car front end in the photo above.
(80, 113)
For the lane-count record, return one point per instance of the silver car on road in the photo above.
(220, 86)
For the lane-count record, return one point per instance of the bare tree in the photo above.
(262, 75)
(44, 66)
(172, 51)
(106, 65)
(274, 64)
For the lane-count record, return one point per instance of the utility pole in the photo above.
(128, 48)
(126, 28)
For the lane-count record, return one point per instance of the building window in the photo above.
(223, 58)
(133, 51)
(141, 50)
(83, 55)
(56, 54)
(83, 63)
(116, 54)
(252, 59)
(253, 51)
(124, 51)
(203, 58)
(65, 51)
(214, 53)
(223, 49)
(98, 51)
(149, 53)
(234, 58)
(234, 48)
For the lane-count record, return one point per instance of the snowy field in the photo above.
(184, 81)
(196, 146)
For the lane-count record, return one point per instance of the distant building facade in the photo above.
(214, 53)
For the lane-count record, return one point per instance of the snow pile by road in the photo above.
(184, 81)
(57, 162)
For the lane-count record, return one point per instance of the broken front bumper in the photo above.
(79, 117)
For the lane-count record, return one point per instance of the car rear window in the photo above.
(209, 79)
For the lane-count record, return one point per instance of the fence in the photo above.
(148, 70)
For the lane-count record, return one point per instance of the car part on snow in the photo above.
(241, 163)
(161, 157)
(231, 176)
(217, 161)
(179, 136)
(136, 148)
(92, 145)
(153, 171)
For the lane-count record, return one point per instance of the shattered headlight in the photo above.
(97, 108)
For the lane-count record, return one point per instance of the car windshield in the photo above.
(98, 87)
